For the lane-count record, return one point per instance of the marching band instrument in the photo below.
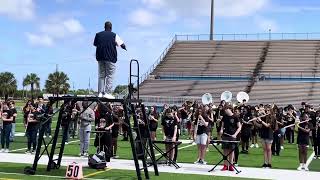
(226, 96)
(207, 98)
(297, 123)
(241, 96)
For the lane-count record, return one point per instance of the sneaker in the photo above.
(6, 150)
(252, 145)
(193, 143)
(299, 168)
(257, 146)
(67, 142)
(44, 136)
(314, 157)
(33, 151)
(2, 150)
(236, 164)
(28, 152)
(100, 95)
(269, 166)
(200, 162)
(264, 165)
(318, 157)
(225, 168)
(306, 168)
(231, 168)
(207, 150)
(115, 157)
(85, 154)
(108, 96)
(307, 146)
(81, 154)
(197, 162)
(282, 148)
(50, 136)
(204, 162)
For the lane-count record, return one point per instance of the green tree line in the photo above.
(56, 83)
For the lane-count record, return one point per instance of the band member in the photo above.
(115, 129)
(317, 137)
(230, 128)
(32, 130)
(277, 134)
(254, 130)
(246, 130)
(104, 123)
(209, 115)
(170, 130)
(290, 119)
(267, 125)
(201, 123)
(7, 118)
(86, 118)
(218, 118)
(74, 121)
(183, 111)
(14, 112)
(237, 114)
(153, 122)
(303, 141)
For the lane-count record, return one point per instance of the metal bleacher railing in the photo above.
(250, 36)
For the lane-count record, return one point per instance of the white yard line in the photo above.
(70, 142)
(310, 159)
(178, 148)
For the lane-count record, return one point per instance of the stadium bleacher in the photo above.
(192, 62)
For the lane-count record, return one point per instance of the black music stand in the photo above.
(225, 157)
(99, 134)
(164, 154)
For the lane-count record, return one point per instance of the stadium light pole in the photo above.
(212, 20)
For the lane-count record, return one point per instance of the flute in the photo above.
(295, 124)
(253, 119)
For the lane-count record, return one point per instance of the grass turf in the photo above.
(112, 174)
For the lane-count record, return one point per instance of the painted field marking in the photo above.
(98, 172)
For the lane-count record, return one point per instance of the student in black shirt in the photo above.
(209, 115)
(316, 141)
(303, 141)
(31, 132)
(14, 112)
(184, 118)
(170, 130)
(217, 118)
(290, 119)
(153, 123)
(230, 128)
(201, 125)
(7, 118)
(276, 143)
(246, 130)
(268, 125)
(115, 130)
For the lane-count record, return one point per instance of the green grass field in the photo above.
(288, 158)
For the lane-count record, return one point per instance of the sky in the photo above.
(38, 36)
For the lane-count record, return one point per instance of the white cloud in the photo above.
(55, 30)
(18, 9)
(143, 17)
(225, 8)
(265, 24)
(39, 39)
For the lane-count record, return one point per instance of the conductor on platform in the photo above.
(106, 43)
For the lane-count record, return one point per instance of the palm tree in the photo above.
(57, 83)
(33, 80)
(8, 84)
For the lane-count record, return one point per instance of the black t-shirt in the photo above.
(32, 125)
(153, 124)
(303, 137)
(116, 120)
(246, 128)
(266, 132)
(14, 111)
(184, 114)
(201, 127)
(9, 115)
(169, 124)
(230, 124)
(289, 120)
